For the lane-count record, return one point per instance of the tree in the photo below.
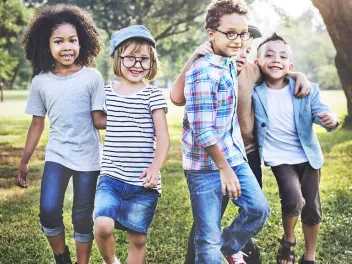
(337, 16)
(13, 18)
(315, 57)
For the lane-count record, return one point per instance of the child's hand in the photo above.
(21, 176)
(203, 49)
(329, 120)
(229, 183)
(151, 176)
(302, 87)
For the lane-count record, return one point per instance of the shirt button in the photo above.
(263, 124)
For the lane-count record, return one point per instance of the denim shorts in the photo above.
(132, 207)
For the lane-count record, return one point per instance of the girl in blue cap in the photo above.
(136, 145)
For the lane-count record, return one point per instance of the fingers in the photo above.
(143, 174)
(300, 91)
(234, 190)
(151, 181)
(327, 120)
(21, 182)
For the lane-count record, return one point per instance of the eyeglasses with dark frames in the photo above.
(131, 61)
(232, 35)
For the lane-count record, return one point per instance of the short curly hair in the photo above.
(218, 8)
(45, 20)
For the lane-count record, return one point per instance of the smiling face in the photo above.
(242, 57)
(228, 23)
(64, 46)
(136, 73)
(274, 59)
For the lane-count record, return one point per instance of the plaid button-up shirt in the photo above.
(210, 118)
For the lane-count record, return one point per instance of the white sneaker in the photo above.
(236, 258)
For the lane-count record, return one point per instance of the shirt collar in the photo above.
(220, 61)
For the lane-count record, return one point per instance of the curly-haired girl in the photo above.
(60, 42)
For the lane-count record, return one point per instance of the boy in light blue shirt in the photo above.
(288, 144)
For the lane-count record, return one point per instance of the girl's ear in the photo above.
(256, 62)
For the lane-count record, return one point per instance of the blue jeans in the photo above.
(206, 200)
(54, 184)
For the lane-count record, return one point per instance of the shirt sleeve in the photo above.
(157, 101)
(201, 98)
(319, 107)
(35, 102)
(98, 94)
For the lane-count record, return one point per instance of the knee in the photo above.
(138, 241)
(292, 207)
(82, 223)
(50, 215)
(104, 226)
(260, 210)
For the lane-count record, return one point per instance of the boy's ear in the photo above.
(291, 66)
(256, 62)
(210, 34)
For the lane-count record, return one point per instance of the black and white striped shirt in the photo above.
(130, 137)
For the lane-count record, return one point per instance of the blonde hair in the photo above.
(137, 42)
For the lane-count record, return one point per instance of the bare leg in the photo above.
(138, 248)
(57, 243)
(104, 236)
(83, 251)
(311, 240)
(289, 223)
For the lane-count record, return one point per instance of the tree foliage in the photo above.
(13, 18)
(337, 17)
(312, 56)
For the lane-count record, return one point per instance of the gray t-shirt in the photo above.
(74, 142)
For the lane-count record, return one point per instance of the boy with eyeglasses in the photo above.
(214, 156)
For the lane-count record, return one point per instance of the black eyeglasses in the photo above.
(130, 61)
(232, 35)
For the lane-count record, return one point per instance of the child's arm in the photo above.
(177, 93)
(321, 113)
(302, 87)
(99, 119)
(230, 184)
(151, 174)
(34, 133)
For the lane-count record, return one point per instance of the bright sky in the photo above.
(264, 16)
(293, 7)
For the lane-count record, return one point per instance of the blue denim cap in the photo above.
(135, 31)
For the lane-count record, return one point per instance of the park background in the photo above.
(321, 41)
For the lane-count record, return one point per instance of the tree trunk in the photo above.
(338, 19)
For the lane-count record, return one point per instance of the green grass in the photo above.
(21, 241)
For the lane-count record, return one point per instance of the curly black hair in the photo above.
(46, 19)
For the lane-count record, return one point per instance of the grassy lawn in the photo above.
(21, 241)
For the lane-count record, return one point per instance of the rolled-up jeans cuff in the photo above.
(52, 231)
(84, 238)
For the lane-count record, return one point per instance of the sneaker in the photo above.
(252, 253)
(235, 258)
